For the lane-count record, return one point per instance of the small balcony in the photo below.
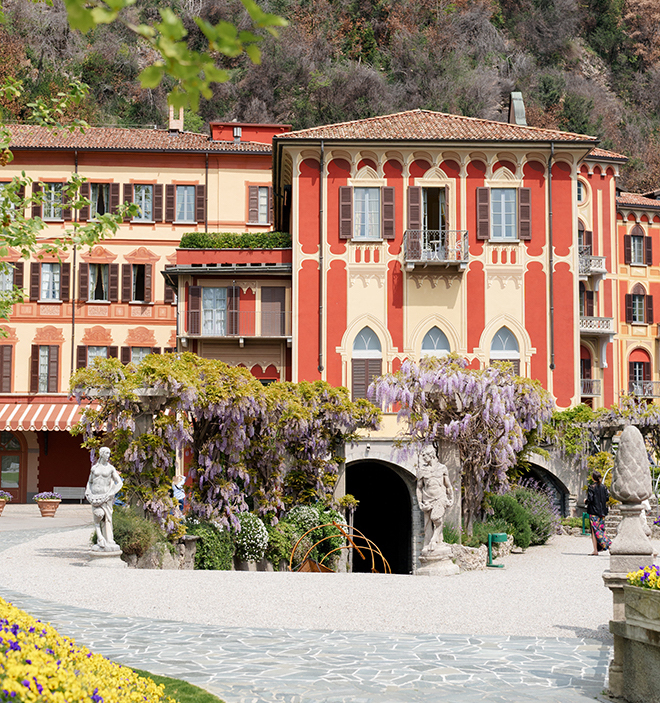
(644, 389)
(590, 387)
(596, 325)
(591, 265)
(239, 323)
(444, 247)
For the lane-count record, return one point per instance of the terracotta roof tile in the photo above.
(425, 125)
(598, 153)
(636, 200)
(117, 138)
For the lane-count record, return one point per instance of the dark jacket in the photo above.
(597, 496)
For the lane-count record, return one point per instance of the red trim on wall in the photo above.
(395, 303)
(308, 321)
(562, 210)
(476, 316)
(339, 171)
(534, 174)
(308, 206)
(337, 320)
(393, 171)
(476, 173)
(564, 374)
(536, 316)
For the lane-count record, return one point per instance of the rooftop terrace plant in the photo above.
(234, 240)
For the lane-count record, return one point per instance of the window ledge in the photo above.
(367, 240)
(140, 302)
(640, 324)
(495, 240)
(184, 222)
(638, 265)
(259, 224)
(53, 219)
(143, 222)
(48, 301)
(99, 302)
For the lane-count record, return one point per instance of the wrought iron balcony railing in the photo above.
(436, 246)
(589, 387)
(596, 325)
(645, 389)
(239, 323)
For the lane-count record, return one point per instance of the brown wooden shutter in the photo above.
(374, 370)
(648, 312)
(629, 308)
(233, 298)
(525, 214)
(387, 193)
(155, 350)
(627, 249)
(271, 218)
(272, 311)
(414, 207)
(359, 378)
(483, 213)
(113, 283)
(84, 210)
(588, 240)
(126, 283)
(83, 282)
(169, 350)
(589, 303)
(6, 351)
(125, 355)
(158, 202)
(112, 352)
(648, 251)
(147, 282)
(34, 369)
(253, 204)
(194, 309)
(345, 212)
(114, 198)
(631, 372)
(200, 203)
(169, 203)
(128, 196)
(36, 207)
(81, 356)
(65, 282)
(53, 368)
(646, 370)
(169, 292)
(66, 205)
(35, 280)
(18, 274)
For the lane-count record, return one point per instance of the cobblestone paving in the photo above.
(306, 666)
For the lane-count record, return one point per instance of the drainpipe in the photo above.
(551, 264)
(206, 195)
(73, 283)
(321, 242)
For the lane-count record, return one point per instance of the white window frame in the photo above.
(44, 362)
(96, 353)
(367, 213)
(52, 201)
(143, 197)
(638, 308)
(94, 270)
(214, 311)
(263, 208)
(185, 204)
(50, 285)
(94, 199)
(6, 277)
(139, 353)
(637, 250)
(506, 210)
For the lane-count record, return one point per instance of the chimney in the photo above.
(176, 125)
(238, 131)
(517, 110)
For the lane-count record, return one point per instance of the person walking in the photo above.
(596, 503)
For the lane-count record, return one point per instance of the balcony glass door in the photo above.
(214, 311)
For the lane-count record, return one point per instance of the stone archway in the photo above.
(553, 484)
(384, 514)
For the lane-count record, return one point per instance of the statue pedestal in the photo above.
(108, 560)
(437, 563)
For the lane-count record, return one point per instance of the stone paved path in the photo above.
(254, 665)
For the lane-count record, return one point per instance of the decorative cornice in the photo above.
(98, 255)
(141, 255)
(48, 335)
(140, 337)
(97, 336)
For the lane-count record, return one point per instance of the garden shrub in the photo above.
(235, 240)
(281, 539)
(506, 507)
(215, 548)
(252, 540)
(134, 533)
(481, 530)
(571, 521)
(335, 540)
(40, 665)
(451, 534)
(304, 517)
(543, 521)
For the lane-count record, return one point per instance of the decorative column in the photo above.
(631, 549)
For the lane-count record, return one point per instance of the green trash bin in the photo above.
(495, 537)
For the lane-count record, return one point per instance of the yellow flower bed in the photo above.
(648, 577)
(39, 664)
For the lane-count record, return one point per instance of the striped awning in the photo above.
(40, 416)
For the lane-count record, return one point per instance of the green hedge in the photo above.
(233, 240)
(215, 549)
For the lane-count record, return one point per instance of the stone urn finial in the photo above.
(631, 481)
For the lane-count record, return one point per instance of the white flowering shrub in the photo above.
(304, 517)
(252, 540)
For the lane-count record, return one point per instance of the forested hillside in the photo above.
(590, 66)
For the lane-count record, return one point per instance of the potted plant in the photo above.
(48, 502)
(642, 596)
(4, 499)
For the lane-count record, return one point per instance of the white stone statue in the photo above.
(434, 495)
(104, 483)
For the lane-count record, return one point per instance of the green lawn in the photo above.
(182, 691)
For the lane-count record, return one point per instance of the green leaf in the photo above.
(151, 76)
(254, 53)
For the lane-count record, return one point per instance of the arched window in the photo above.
(639, 373)
(504, 347)
(639, 306)
(367, 362)
(585, 240)
(435, 343)
(637, 248)
(586, 300)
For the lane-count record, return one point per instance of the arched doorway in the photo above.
(552, 484)
(384, 514)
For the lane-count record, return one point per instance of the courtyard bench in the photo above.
(70, 492)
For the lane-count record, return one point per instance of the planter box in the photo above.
(637, 641)
(48, 508)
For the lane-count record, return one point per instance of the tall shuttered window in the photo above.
(44, 368)
(367, 362)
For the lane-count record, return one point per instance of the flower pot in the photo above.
(2, 505)
(48, 507)
(642, 606)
